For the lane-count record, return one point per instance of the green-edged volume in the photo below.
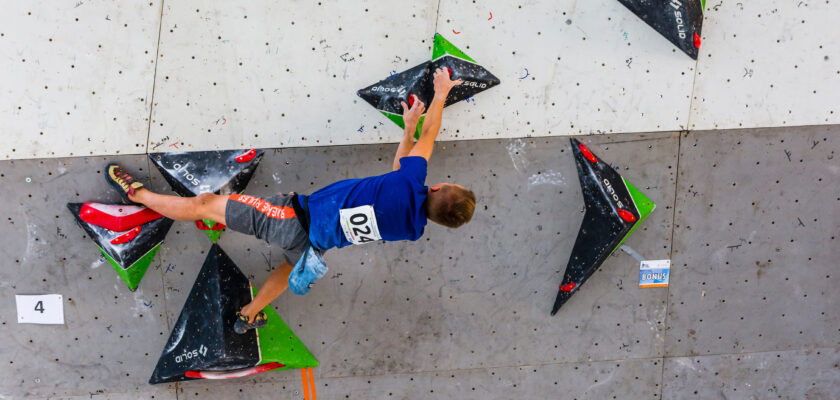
(644, 206)
(213, 235)
(134, 273)
(443, 47)
(398, 119)
(279, 344)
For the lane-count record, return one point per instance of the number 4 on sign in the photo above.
(40, 309)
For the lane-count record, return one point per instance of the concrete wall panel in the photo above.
(268, 74)
(800, 374)
(767, 63)
(77, 77)
(754, 264)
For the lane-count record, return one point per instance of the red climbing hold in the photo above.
(235, 373)
(203, 226)
(450, 71)
(247, 156)
(567, 287)
(587, 154)
(126, 237)
(116, 217)
(696, 40)
(411, 98)
(626, 215)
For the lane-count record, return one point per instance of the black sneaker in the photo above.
(241, 326)
(120, 180)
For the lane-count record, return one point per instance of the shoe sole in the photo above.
(116, 186)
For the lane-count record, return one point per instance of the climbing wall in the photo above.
(767, 63)
(567, 67)
(749, 217)
(90, 78)
(752, 307)
(465, 312)
(269, 74)
(111, 336)
(77, 77)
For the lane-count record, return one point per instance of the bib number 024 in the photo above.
(359, 224)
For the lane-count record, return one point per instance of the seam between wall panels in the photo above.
(691, 96)
(149, 163)
(437, 17)
(671, 257)
(693, 84)
(154, 80)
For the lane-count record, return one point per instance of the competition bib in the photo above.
(359, 224)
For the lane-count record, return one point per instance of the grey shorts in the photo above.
(272, 219)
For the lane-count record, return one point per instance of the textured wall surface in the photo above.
(751, 311)
(277, 74)
(106, 78)
(77, 77)
(749, 217)
(767, 63)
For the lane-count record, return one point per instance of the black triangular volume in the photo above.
(129, 251)
(203, 338)
(476, 79)
(387, 94)
(679, 21)
(602, 229)
(220, 172)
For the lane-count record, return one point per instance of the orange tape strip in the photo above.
(305, 381)
(312, 381)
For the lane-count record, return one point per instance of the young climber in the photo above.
(390, 207)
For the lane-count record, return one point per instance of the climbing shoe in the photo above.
(241, 326)
(124, 183)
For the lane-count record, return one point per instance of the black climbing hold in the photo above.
(679, 21)
(130, 251)
(220, 172)
(614, 208)
(387, 94)
(203, 343)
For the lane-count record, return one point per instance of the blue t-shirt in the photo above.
(397, 199)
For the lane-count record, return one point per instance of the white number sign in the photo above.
(40, 309)
(359, 224)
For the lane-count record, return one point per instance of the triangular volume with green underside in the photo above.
(203, 344)
(221, 172)
(416, 83)
(213, 235)
(444, 47)
(130, 252)
(135, 272)
(279, 344)
(644, 206)
(679, 21)
(614, 209)
(211, 228)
